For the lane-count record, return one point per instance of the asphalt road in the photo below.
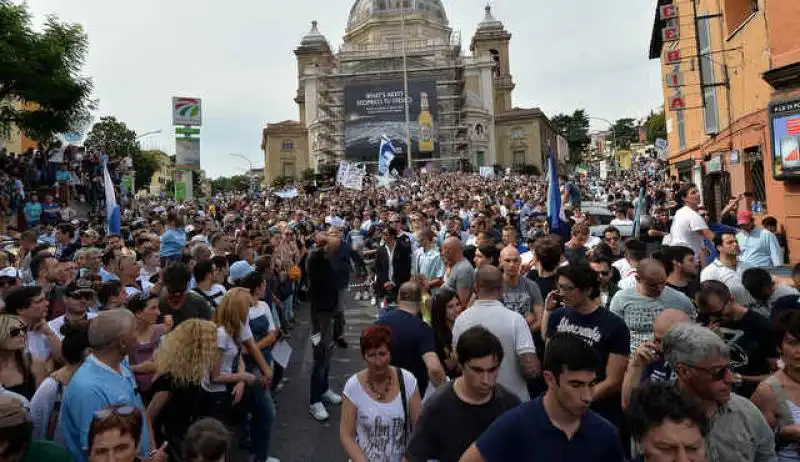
(296, 436)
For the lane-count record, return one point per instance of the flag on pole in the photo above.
(113, 218)
(637, 219)
(556, 219)
(385, 155)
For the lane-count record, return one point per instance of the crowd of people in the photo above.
(494, 339)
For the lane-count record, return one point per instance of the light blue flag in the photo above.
(113, 218)
(385, 155)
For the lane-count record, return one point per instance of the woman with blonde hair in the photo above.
(18, 372)
(227, 388)
(182, 363)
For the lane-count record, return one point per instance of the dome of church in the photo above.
(364, 10)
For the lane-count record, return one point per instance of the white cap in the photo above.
(9, 272)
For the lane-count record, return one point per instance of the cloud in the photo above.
(238, 56)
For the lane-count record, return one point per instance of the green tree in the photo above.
(41, 89)
(230, 184)
(113, 138)
(145, 164)
(575, 129)
(625, 132)
(307, 175)
(656, 126)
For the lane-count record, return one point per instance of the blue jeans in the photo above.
(319, 375)
(321, 322)
(262, 415)
(288, 308)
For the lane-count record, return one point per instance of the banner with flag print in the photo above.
(113, 217)
(556, 219)
(385, 155)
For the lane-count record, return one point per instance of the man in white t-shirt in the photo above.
(728, 270)
(519, 358)
(688, 227)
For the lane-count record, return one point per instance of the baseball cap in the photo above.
(240, 270)
(9, 272)
(743, 217)
(78, 288)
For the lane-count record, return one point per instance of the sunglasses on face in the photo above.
(7, 282)
(17, 331)
(603, 273)
(120, 411)
(715, 374)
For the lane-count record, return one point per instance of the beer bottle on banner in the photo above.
(425, 125)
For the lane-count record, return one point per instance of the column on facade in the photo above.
(310, 79)
(485, 66)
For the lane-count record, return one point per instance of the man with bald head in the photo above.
(647, 364)
(519, 353)
(458, 274)
(520, 294)
(639, 306)
(103, 380)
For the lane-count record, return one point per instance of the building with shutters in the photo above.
(731, 81)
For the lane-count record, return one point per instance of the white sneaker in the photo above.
(331, 398)
(364, 295)
(273, 459)
(357, 296)
(374, 301)
(318, 412)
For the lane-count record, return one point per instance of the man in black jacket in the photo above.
(393, 262)
(323, 293)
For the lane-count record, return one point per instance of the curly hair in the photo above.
(232, 312)
(188, 352)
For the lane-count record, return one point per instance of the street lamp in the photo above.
(613, 135)
(250, 172)
(150, 133)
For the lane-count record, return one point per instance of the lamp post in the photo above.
(250, 172)
(150, 133)
(405, 82)
(613, 135)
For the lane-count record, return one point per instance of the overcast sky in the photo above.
(237, 56)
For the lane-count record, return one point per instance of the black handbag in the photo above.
(406, 414)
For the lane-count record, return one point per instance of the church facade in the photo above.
(459, 111)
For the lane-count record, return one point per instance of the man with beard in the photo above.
(681, 265)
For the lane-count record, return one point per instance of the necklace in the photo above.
(374, 388)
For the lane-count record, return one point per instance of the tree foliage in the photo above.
(113, 138)
(625, 132)
(575, 129)
(656, 126)
(146, 163)
(41, 89)
(230, 184)
(281, 181)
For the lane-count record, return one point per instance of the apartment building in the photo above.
(731, 82)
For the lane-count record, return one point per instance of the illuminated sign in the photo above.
(676, 102)
(666, 12)
(672, 56)
(670, 33)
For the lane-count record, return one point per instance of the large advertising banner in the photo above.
(377, 109)
(187, 153)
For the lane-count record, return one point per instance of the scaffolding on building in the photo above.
(432, 59)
